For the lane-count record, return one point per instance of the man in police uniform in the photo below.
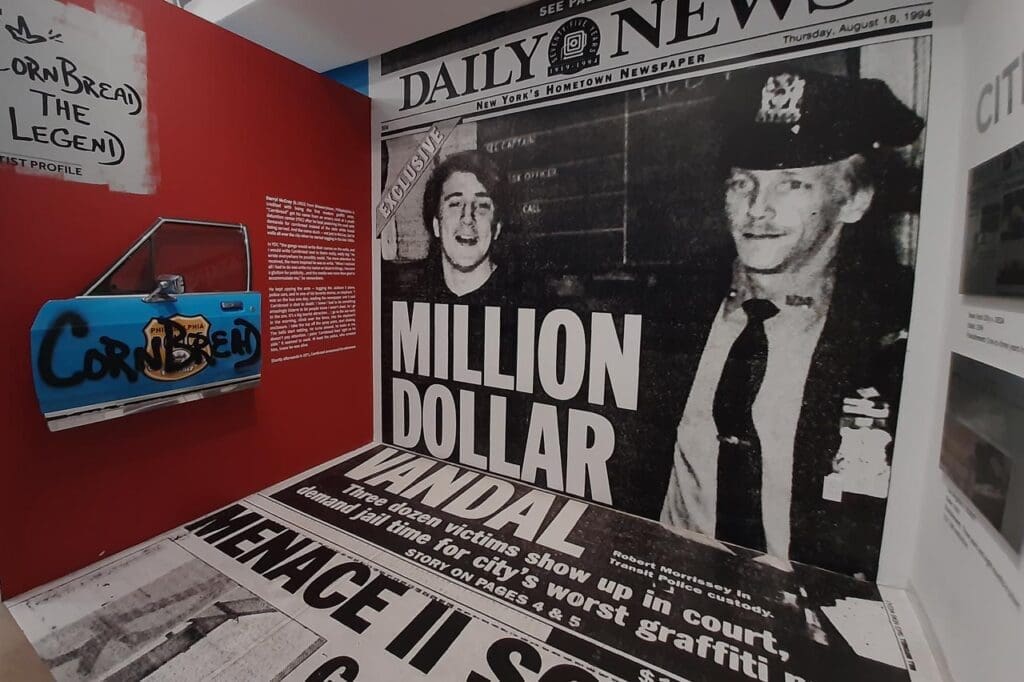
(783, 436)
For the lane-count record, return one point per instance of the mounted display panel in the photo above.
(175, 319)
(993, 250)
(982, 446)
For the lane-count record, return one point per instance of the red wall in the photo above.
(230, 123)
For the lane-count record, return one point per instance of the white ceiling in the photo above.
(323, 34)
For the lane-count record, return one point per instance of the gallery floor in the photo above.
(384, 565)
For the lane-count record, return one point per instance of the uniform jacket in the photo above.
(862, 345)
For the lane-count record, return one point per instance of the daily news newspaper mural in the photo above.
(660, 256)
(389, 565)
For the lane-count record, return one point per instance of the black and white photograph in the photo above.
(993, 250)
(983, 445)
(159, 613)
(689, 301)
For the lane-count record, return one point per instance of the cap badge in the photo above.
(781, 100)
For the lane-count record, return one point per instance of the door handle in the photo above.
(230, 305)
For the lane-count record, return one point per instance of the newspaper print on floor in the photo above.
(161, 613)
(390, 565)
(577, 202)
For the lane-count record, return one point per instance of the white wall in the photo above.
(923, 387)
(967, 592)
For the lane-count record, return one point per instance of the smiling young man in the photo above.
(783, 436)
(461, 209)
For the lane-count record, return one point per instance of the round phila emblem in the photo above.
(176, 347)
(574, 46)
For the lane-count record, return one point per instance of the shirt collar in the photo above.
(808, 293)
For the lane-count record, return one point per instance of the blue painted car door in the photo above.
(126, 345)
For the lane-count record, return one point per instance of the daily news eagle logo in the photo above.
(574, 46)
(177, 359)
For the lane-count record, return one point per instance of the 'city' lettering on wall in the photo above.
(173, 350)
(997, 97)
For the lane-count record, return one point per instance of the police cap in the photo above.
(796, 119)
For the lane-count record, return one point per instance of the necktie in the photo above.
(738, 510)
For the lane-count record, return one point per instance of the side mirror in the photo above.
(168, 288)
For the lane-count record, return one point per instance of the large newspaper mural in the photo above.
(388, 565)
(659, 256)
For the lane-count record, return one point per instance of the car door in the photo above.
(173, 320)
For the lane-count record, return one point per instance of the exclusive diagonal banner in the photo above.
(418, 164)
